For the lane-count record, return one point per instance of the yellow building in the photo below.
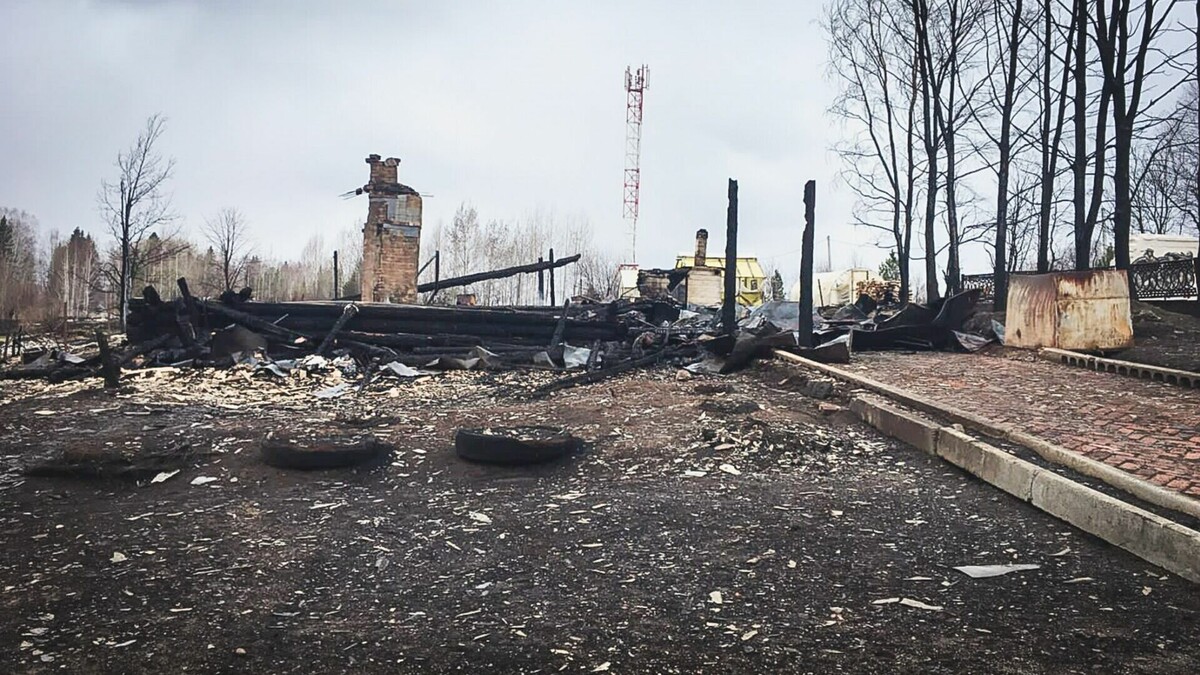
(750, 276)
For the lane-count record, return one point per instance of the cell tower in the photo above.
(635, 87)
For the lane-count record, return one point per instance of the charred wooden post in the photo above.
(347, 313)
(110, 370)
(553, 297)
(805, 328)
(437, 273)
(556, 341)
(337, 286)
(729, 308)
(188, 301)
(541, 281)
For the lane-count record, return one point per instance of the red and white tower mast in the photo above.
(635, 87)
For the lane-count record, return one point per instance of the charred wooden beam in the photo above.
(495, 274)
(110, 369)
(255, 323)
(188, 301)
(347, 314)
(603, 374)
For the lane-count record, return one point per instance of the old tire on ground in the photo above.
(514, 445)
(323, 453)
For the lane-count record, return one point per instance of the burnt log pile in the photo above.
(601, 338)
(304, 326)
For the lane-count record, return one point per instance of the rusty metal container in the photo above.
(1086, 311)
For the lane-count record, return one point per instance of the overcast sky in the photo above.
(511, 106)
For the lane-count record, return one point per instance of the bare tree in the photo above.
(1126, 44)
(873, 55)
(18, 262)
(1012, 46)
(229, 238)
(931, 80)
(1085, 216)
(1052, 117)
(350, 255)
(956, 37)
(134, 205)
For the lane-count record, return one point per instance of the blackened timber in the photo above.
(553, 297)
(605, 373)
(255, 323)
(188, 301)
(416, 319)
(729, 308)
(496, 274)
(329, 311)
(347, 314)
(561, 328)
(574, 330)
(541, 281)
(110, 370)
(412, 341)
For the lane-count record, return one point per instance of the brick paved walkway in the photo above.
(1146, 428)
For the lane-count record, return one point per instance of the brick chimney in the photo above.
(391, 235)
(701, 249)
(383, 171)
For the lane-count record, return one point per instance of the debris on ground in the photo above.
(986, 571)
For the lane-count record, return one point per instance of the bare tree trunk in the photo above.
(1047, 186)
(1121, 196)
(905, 257)
(123, 287)
(1010, 82)
(1083, 237)
(953, 267)
(1051, 134)
(1101, 152)
(928, 91)
(1119, 54)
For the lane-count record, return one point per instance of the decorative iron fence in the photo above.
(984, 282)
(1158, 280)
(1165, 279)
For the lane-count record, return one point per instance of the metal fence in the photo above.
(1165, 279)
(1159, 280)
(984, 282)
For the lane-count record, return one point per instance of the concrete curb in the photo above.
(1151, 537)
(1138, 487)
(1180, 378)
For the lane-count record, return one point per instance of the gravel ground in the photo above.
(709, 525)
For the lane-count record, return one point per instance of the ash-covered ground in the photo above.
(712, 524)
